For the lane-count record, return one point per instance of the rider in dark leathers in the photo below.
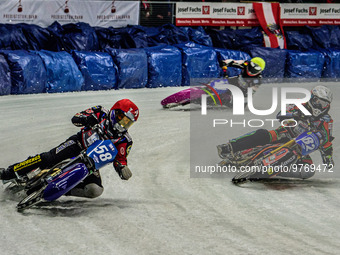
(115, 124)
(319, 106)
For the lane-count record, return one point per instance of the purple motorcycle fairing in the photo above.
(183, 96)
(187, 95)
(102, 152)
(64, 182)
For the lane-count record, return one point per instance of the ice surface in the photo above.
(161, 210)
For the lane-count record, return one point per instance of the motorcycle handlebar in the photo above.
(99, 130)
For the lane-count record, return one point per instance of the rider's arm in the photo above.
(89, 117)
(120, 164)
(234, 63)
(292, 112)
(326, 149)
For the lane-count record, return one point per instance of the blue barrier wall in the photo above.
(331, 68)
(62, 72)
(97, 68)
(306, 65)
(160, 58)
(75, 57)
(5, 77)
(198, 62)
(28, 73)
(132, 67)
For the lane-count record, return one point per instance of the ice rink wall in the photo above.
(75, 57)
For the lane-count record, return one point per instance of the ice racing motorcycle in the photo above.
(217, 93)
(216, 90)
(48, 185)
(269, 161)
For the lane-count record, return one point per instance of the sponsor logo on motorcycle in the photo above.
(275, 157)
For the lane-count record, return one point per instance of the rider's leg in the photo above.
(67, 149)
(253, 139)
(91, 187)
(249, 140)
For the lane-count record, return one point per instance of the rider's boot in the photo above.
(224, 150)
(7, 174)
(19, 170)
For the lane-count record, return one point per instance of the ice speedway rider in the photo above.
(251, 73)
(115, 123)
(320, 120)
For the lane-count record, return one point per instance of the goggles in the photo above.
(320, 103)
(253, 69)
(121, 119)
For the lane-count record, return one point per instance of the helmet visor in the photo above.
(123, 120)
(253, 69)
(320, 103)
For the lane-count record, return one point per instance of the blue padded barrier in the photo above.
(28, 74)
(331, 68)
(5, 77)
(132, 67)
(12, 37)
(198, 63)
(98, 69)
(170, 34)
(38, 38)
(198, 35)
(223, 54)
(164, 66)
(236, 39)
(304, 65)
(152, 36)
(78, 36)
(298, 41)
(325, 37)
(248, 37)
(138, 36)
(223, 39)
(109, 37)
(62, 72)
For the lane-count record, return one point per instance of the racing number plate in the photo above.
(102, 153)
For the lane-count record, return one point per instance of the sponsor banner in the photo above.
(310, 14)
(95, 13)
(304, 22)
(243, 14)
(215, 14)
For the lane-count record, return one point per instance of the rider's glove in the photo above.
(91, 120)
(124, 172)
(284, 117)
(328, 160)
(227, 62)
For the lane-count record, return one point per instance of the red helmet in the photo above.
(123, 114)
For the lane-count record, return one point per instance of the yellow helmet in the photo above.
(256, 66)
(259, 61)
